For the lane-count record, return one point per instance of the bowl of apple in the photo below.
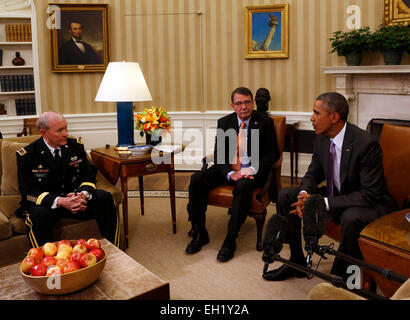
(63, 267)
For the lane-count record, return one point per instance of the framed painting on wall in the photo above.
(267, 31)
(79, 37)
(396, 11)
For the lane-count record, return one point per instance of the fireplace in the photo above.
(374, 91)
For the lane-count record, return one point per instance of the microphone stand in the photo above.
(386, 273)
(336, 281)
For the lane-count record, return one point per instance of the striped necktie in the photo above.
(330, 170)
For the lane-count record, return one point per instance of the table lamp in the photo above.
(123, 82)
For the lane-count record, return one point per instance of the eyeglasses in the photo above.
(239, 103)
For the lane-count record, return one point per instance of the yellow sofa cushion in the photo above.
(9, 204)
(5, 227)
(9, 181)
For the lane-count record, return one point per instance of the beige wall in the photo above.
(192, 62)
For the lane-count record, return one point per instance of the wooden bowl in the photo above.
(68, 282)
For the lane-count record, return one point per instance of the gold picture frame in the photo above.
(396, 11)
(79, 37)
(267, 31)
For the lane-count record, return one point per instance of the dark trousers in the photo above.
(204, 181)
(41, 221)
(352, 220)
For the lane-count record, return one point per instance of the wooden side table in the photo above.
(386, 243)
(114, 165)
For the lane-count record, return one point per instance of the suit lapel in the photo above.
(253, 124)
(326, 152)
(347, 149)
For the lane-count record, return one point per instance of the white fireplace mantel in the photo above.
(378, 91)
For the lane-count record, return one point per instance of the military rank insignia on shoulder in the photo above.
(79, 140)
(21, 151)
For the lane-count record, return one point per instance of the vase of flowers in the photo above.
(154, 123)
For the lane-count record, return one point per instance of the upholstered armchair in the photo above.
(327, 291)
(394, 141)
(13, 240)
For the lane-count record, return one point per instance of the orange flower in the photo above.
(152, 120)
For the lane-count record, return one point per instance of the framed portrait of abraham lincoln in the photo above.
(396, 11)
(79, 37)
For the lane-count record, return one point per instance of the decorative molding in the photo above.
(374, 91)
(378, 69)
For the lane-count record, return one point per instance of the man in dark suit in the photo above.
(358, 194)
(76, 51)
(258, 153)
(56, 180)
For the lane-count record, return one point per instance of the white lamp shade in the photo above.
(123, 82)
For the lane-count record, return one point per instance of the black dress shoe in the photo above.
(199, 240)
(283, 273)
(227, 251)
(194, 229)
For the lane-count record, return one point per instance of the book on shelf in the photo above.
(25, 107)
(17, 82)
(18, 32)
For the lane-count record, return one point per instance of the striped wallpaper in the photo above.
(192, 53)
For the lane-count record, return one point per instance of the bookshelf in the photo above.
(19, 85)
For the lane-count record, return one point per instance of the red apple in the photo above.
(39, 270)
(63, 254)
(81, 248)
(61, 263)
(50, 249)
(88, 260)
(93, 244)
(76, 257)
(63, 242)
(36, 252)
(81, 241)
(28, 263)
(49, 261)
(53, 271)
(99, 254)
(71, 266)
(65, 247)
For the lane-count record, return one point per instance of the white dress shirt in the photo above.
(338, 141)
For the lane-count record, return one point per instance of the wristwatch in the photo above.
(87, 195)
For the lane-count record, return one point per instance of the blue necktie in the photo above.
(330, 170)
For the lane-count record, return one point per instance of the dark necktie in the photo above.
(330, 170)
(240, 147)
(57, 158)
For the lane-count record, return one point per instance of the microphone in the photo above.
(314, 218)
(275, 235)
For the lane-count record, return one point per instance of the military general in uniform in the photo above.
(57, 181)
